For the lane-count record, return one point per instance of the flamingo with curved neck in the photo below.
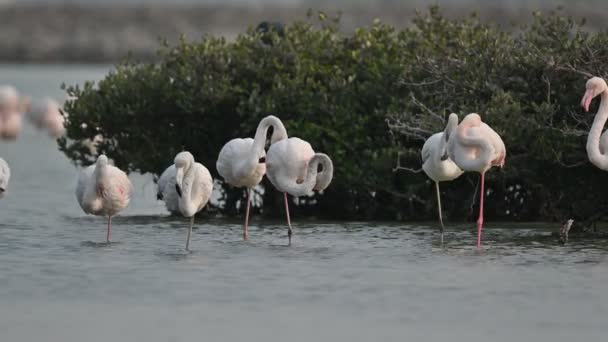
(188, 188)
(436, 163)
(596, 141)
(103, 190)
(477, 147)
(293, 169)
(241, 162)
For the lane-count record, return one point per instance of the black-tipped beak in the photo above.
(445, 156)
(262, 160)
(2, 190)
(159, 196)
(179, 190)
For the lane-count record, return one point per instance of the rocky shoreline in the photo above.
(103, 34)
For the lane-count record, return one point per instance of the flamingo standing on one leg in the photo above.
(241, 162)
(103, 190)
(476, 147)
(597, 143)
(5, 175)
(436, 163)
(292, 167)
(188, 188)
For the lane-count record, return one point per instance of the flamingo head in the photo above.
(594, 87)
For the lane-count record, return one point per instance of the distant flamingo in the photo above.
(5, 175)
(103, 190)
(47, 115)
(241, 162)
(476, 147)
(597, 143)
(11, 109)
(292, 167)
(436, 162)
(187, 187)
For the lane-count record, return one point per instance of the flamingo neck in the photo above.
(259, 141)
(305, 188)
(186, 204)
(596, 157)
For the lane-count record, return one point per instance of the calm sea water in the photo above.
(338, 282)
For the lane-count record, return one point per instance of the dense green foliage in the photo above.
(368, 99)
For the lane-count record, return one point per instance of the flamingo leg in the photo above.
(289, 232)
(480, 219)
(441, 227)
(246, 226)
(109, 228)
(189, 233)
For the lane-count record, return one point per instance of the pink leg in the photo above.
(288, 219)
(109, 228)
(480, 219)
(246, 227)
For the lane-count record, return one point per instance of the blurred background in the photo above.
(101, 31)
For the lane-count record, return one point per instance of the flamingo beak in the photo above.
(586, 101)
(444, 156)
(262, 160)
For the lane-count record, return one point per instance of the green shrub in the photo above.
(368, 99)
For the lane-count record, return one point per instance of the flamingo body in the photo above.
(103, 190)
(232, 163)
(5, 175)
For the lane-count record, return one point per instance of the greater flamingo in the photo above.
(241, 161)
(187, 187)
(5, 176)
(103, 190)
(436, 163)
(476, 147)
(292, 167)
(47, 115)
(11, 109)
(597, 143)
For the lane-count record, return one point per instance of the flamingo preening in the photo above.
(241, 162)
(437, 164)
(103, 190)
(292, 167)
(186, 186)
(476, 147)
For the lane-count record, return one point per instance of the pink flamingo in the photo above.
(477, 147)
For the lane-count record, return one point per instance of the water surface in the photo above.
(352, 281)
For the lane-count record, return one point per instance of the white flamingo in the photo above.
(436, 163)
(476, 147)
(47, 115)
(597, 143)
(187, 187)
(11, 109)
(241, 161)
(292, 167)
(103, 190)
(5, 176)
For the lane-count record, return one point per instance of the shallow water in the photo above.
(351, 281)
